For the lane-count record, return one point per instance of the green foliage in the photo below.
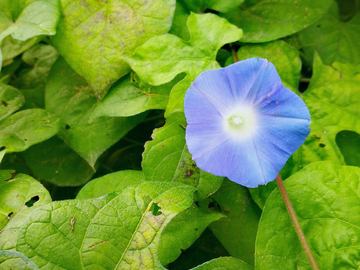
(26, 19)
(15, 260)
(333, 39)
(161, 58)
(22, 129)
(224, 263)
(19, 196)
(116, 231)
(93, 176)
(324, 196)
(240, 212)
(266, 20)
(93, 36)
(71, 98)
(11, 100)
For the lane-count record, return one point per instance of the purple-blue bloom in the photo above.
(243, 123)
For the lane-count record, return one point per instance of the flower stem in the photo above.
(236, 58)
(296, 223)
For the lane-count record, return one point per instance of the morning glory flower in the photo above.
(243, 123)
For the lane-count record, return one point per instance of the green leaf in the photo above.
(284, 57)
(237, 230)
(55, 162)
(224, 263)
(2, 154)
(333, 108)
(11, 100)
(93, 36)
(221, 6)
(166, 158)
(71, 98)
(182, 232)
(161, 58)
(11, 48)
(324, 196)
(349, 145)
(178, 26)
(5, 175)
(19, 196)
(267, 20)
(37, 18)
(15, 260)
(117, 231)
(127, 97)
(333, 39)
(110, 183)
(31, 82)
(21, 130)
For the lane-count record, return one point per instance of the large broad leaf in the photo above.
(71, 98)
(237, 230)
(167, 159)
(128, 97)
(110, 183)
(182, 232)
(19, 196)
(94, 35)
(11, 100)
(266, 20)
(224, 263)
(15, 260)
(326, 199)
(55, 162)
(161, 58)
(284, 57)
(118, 231)
(21, 130)
(333, 39)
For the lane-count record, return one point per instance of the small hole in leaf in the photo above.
(321, 145)
(25, 140)
(10, 215)
(2, 148)
(318, 26)
(31, 202)
(67, 127)
(4, 103)
(155, 209)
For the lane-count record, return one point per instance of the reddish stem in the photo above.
(236, 58)
(296, 223)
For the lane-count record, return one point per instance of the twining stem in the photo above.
(296, 223)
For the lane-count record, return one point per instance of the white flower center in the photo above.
(237, 120)
(241, 122)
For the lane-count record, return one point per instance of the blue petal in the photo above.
(252, 79)
(236, 160)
